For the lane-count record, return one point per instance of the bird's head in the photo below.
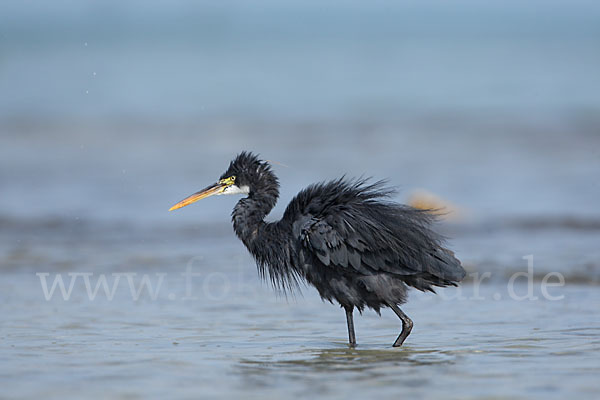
(246, 175)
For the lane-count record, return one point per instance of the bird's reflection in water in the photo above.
(347, 359)
(346, 371)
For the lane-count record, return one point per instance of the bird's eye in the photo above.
(232, 178)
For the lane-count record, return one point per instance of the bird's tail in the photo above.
(442, 269)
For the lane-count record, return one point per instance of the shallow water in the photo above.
(222, 333)
(248, 343)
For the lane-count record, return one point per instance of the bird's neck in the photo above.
(249, 214)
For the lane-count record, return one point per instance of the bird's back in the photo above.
(350, 229)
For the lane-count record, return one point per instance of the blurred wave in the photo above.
(494, 246)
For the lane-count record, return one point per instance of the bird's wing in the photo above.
(370, 236)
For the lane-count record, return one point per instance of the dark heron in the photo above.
(343, 237)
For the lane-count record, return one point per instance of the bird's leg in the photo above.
(350, 321)
(407, 325)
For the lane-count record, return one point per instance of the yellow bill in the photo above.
(211, 190)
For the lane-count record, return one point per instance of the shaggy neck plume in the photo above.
(249, 213)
